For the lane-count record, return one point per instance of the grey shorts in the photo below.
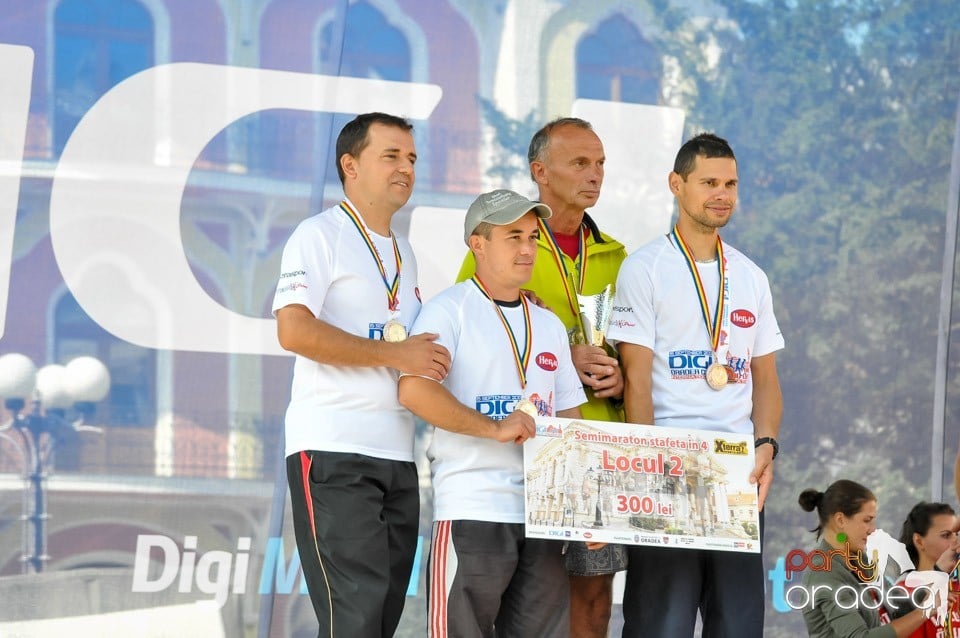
(609, 559)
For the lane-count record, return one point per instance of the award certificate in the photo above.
(640, 485)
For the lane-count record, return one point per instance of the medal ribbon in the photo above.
(393, 289)
(520, 357)
(557, 255)
(721, 317)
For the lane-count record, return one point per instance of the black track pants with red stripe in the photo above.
(356, 520)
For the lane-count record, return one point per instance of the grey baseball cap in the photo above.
(500, 207)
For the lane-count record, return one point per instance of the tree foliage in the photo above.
(512, 138)
(842, 115)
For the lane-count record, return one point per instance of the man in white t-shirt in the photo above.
(509, 359)
(693, 322)
(567, 162)
(346, 297)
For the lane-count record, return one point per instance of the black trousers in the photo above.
(356, 521)
(665, 587)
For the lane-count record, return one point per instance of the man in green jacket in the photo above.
(566, 162)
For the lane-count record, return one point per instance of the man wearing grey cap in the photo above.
(510, 360)
(567, 163)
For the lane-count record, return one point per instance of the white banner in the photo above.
(640, 485)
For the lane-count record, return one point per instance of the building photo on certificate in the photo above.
(641, 485)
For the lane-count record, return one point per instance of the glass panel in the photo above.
(615, 63)
(96, 45)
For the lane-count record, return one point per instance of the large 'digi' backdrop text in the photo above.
(156, 154)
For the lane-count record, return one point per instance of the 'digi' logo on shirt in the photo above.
(496, 406)
(692, 364)
(499, 406)
(689, 364)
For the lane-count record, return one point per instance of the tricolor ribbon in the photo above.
(720, 323)
(393, 289)
(557, 254)
(521, 357)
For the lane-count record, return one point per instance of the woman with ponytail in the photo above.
(841, 605)
(930, 536)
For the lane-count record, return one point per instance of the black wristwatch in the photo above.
(768, 439)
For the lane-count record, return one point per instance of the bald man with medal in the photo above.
(510, 364)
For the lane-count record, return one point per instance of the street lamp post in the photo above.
(36, 432)
(602, 477)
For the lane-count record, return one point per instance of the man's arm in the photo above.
(767, 412)
(300, 332)
(434, 404)
(637, 362)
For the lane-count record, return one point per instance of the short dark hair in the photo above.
(541, 139)
(847, 497)
(703, 145)
(353, 137)
(919, 521)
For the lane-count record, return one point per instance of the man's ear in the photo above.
(674, 181)
(349, 165)
(539, 172)
(475, 243)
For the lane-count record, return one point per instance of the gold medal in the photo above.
(394, 332)
(526, 406)
(716, 376)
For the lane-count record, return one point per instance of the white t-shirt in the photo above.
(328, 268)
(656, 306)
(476, 478)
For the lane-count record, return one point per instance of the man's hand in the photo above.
(533, 298)
(598, 371)
(762, 474)
(517, 427)
(420, 356)
(948, 559)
